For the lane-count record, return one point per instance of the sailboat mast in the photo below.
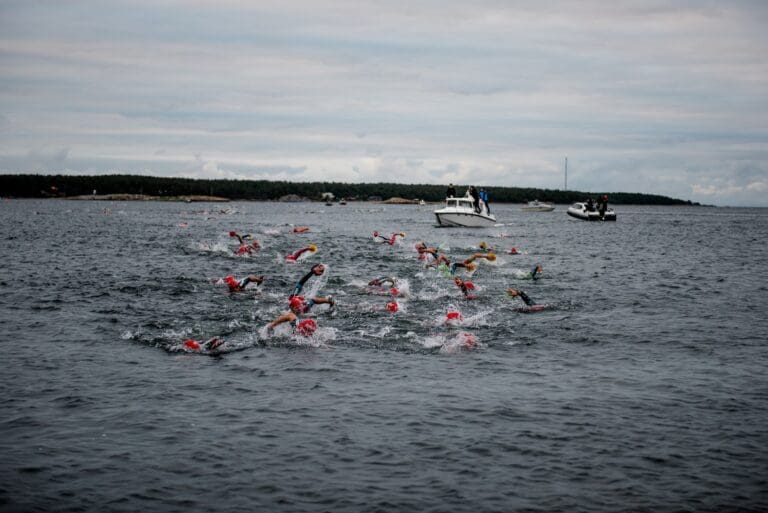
(566, 173)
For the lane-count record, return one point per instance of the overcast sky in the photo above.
(657, 97)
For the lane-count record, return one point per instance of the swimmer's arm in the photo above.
(528, 301)
(286, 317)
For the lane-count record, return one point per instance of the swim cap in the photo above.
(394, 291)
(312, 248)
(402, 234)
(491, 257)
(232, 233)
(483, 245)
(375, 233)
(453, 316)
(392, 306)
(192, 344)
(231, 282)
(513, 250)
(306, 327)
(469, 285)
(296, 302)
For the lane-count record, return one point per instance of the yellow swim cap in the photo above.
(491, 257)
(312, 248)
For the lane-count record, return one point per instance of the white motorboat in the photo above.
(461, 212)
(579, 210)
(538, 206)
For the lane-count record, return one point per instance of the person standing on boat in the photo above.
(602, 205)
(484, 197)
(451, 192)
(475, 197)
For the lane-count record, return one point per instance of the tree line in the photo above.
(40, 186)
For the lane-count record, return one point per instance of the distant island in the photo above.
(153, 188)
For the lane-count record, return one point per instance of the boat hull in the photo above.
(470, 220)
(538, 209)
(610, 215)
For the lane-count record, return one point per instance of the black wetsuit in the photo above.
(528, 301)
(476, 198)
(302, 281)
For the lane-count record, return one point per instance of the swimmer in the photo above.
(514, 251)
(317, 270)
(378, 286)
(485, 247)
(537, 269)
(437, 257)
(247, 249)
(470, 264)
(299, 306)
(392, 238)
(424, 250)
(465, 287)
(240, 238)
(239, 285)
(379, 282)
(208, 345)
(295, 256)
(301, 229)
(531, 305)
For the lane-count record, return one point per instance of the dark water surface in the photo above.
(643, 389)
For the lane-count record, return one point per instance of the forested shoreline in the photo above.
(64, 186)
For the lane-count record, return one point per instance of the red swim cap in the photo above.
(306, 327)
(470, 285)
(375, 233)
(231, 281)
(392, 306)
(296, 302)
(453, 316)
(394, 291)
(232, 233)
(192, 344)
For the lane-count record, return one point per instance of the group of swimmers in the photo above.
(299, 306)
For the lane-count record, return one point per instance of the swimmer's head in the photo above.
(392, 306)
(375, 233)
(491, 257)
(312, 248)
(402, 234)
(296, 303)
(318, 269)
(483, 245)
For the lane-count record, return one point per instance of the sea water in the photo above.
(642, 388)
